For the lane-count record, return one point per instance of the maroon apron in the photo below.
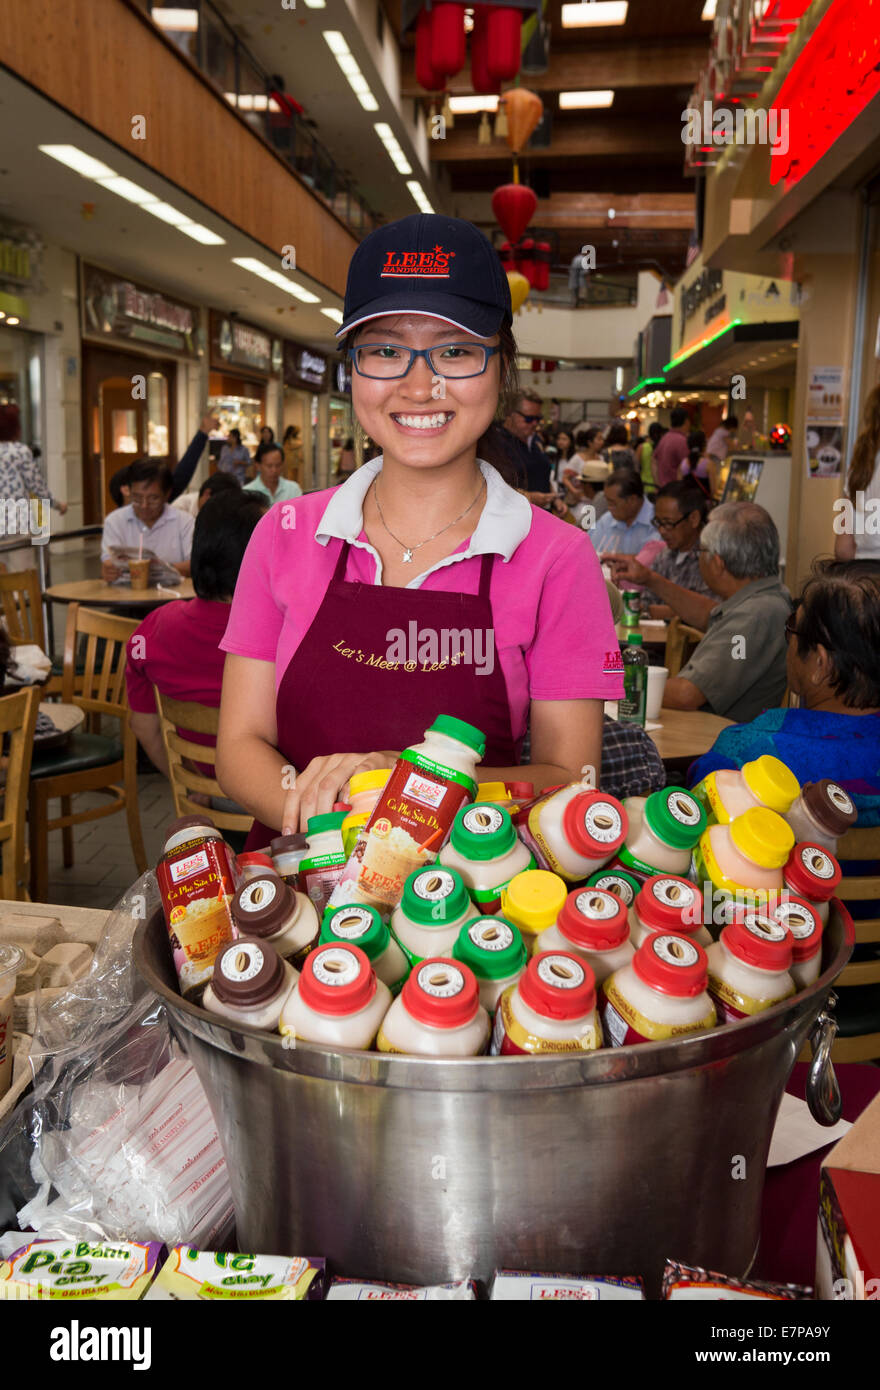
(333, 700)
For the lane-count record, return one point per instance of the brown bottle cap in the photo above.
(247, 973)
(830, 805)
(283, 844)
(261, 907)
(188, 823)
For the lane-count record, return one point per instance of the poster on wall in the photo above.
(824, 448)
(825, 393)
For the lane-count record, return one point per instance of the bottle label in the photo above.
(800, 922)
(707, 793)
(671, 893)
(243, 963)
(634, 864)
(440, 980)
(383, 1045)
(631, 709)
(817, 862)
(596, 905)
(336, 967)
(482, 820)
(731, 1004)
(683, 808)
(320, 880)
(613, 883)
(560, 972)
(511, 1039)
(258, 895)
(491, 936)
(197, 882)
(351, 923)
(624, 1024)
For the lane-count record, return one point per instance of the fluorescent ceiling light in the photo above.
(598, 14)
(419, 196)
(709, 10)
(252, 101)
(78, 160)
(334, 314)
(182, 21)
(579, 101)
(316, 4)
(389, 140)
(467, 106)
(166, 213)
(204, 235)
(355, 78)
(274, 277)
(132, 192)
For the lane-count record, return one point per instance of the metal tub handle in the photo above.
(823, 1092)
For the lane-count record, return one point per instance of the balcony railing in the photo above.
(219, 54)
(598, 291)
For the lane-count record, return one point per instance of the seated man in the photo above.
(627, 524)
(679, 515)
(738, 670)
(164, 530)
(269, 483)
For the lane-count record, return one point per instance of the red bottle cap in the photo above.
(672, 964)
(521, 791)
(442, 993)
(759, 940)
(594, 919)
(805, 925)
(263, 861)
(558, 985)
(341, 807)
(812, 872)
(595, 824)
(669, 903)
(337, 979)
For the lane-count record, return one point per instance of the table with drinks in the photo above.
(96, 593)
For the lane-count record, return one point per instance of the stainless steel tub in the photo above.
(426, 1171)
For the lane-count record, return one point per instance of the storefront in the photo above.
(244, 385)
(135, 340)
(306, 379)
(340, 425)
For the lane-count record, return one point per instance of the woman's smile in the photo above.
(423, 422)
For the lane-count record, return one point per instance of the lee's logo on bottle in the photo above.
(185, 868)
(421, 790)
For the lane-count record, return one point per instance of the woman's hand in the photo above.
(322, 782)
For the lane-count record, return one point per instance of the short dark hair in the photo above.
(237, 433)
(730, 422)
(687, 496)
(839, 609)
(617, 434)
(220, 482)
(656, 432)
(584, 438)
(220, 537)
(149, 470)
(678, 416)
(630, 483)
(271, 448)
(10, 422)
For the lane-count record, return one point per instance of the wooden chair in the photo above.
(858, 1010)
(18, 718)
(187, 715)
(22, 607)
(91, 762)
(680, 642)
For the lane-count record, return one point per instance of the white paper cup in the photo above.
(657, 678)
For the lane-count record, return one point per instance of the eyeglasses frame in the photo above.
(422, 352)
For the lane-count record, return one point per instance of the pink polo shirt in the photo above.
(554, 634)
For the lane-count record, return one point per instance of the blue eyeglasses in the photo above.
(390, 361)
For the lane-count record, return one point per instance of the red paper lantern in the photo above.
(506, 256)
(536, 365)
(542, 265)
(503, 33)
(447, 48)
(482, 80)
(513, 205)
(525, 259)
(426, 75)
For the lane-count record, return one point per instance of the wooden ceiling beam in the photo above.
(642, 212)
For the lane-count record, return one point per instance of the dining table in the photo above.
(96, 593)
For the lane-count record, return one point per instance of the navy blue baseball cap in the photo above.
(428, 264)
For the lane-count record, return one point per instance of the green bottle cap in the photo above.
(331, 821)
(634, 639)
(615, 881)
(356, 925)
(482, 831)
(675, 817)
(435, 896)
(457, 728)
(492, 947)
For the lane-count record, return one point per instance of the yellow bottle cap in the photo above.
(771, 782)
(370, 781)
(492, 791)
(762, 836)
(357, 818)
(533, 899)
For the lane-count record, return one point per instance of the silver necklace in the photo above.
(408, 550)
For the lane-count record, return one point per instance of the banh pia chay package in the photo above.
(189, 1275)
(78, 1269)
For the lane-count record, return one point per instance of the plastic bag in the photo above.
(116, 1140)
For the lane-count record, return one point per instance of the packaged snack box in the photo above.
(515, 1284)
(79, 1269)
(202, 1274)
(371, 1291)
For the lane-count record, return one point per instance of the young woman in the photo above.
(698, 466)
(427, 540)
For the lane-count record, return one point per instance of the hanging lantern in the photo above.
(447, 43)
(426, 75)
(513, 205)
(482, 80)
(506, 256)
(503, 32)
(525, 259)
(501, 122)
(524, 111)
(536, 365)
(519, 289)
(484, 134)
(541, 280)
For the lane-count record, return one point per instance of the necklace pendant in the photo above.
(407, 557)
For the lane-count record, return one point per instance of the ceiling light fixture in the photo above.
(595, 15)
(316, 4)
(13, 320)
(355, 78)
(252, 101)
(389, 140)
(78, 160)
(132, 192)
(419, 196)
(585, 101)
(274, 277)
(334, 314)
(201, 234)
(470, 105)
(709, 10)
(176, 18)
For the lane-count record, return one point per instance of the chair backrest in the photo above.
(680, 642)
(18, 718)
(101, 688)
(194, 718)
(22, 608)
(861, 845)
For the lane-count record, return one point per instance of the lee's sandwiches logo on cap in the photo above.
(404, 264)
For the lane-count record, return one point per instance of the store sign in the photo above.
(235, 343)
(343, 378)
(123, 309)
(708, 300)
(15, 263)
(706, 286)
(304, 369)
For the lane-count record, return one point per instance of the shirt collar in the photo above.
(755, 586)
(504, 523)
(641, 518)
(163, 516)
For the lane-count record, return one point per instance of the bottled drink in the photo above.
(631, 709)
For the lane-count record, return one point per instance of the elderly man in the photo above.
(628, 523)
(738, 670)
(679, 516)
(165, 531)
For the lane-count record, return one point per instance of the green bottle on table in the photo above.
(631, 709)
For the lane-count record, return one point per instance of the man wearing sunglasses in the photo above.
(524, 449)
